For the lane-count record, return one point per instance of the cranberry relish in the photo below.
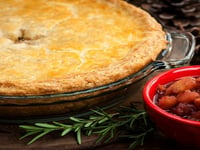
(180, 97)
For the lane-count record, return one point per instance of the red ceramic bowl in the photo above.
(182, 130)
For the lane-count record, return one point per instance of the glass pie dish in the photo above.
(14, 109)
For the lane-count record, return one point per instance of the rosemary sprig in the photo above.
(127, 122)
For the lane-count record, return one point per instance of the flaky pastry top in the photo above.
(57, 46)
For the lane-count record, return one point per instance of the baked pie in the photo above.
(57, 46)
(61, 46)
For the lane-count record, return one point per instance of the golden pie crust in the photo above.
(58, 46)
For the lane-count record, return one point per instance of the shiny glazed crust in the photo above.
(57, 46)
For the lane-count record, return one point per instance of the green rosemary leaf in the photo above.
(132, 122)
(88, 124)
(29, 127)
(93, 117)
(98, 112)
(94, 125)
(77, 127)
(78, 136)
(66, 131)
(103, 120)
(76, 119)
(46, 125)
(89, 132)
(112, 132)
(39, 136)
(103, 131)
(63, 125)
(28, 134)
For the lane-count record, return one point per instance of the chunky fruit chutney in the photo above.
(181, 97)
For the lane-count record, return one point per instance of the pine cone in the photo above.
(176, 15)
